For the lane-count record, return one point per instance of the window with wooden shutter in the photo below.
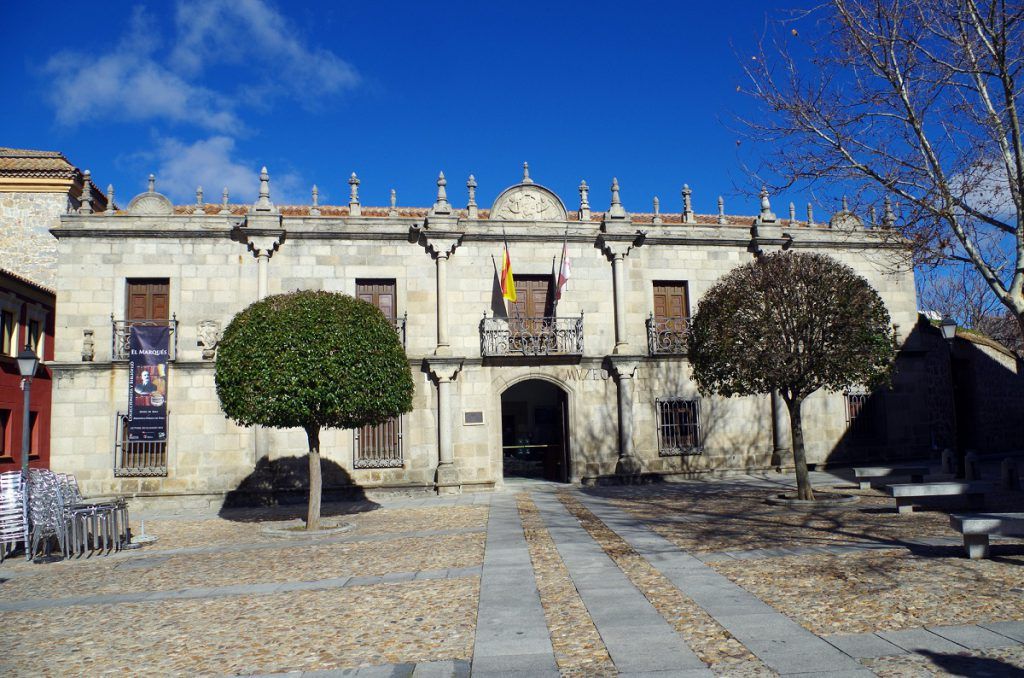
(379, 446)
(148, 299)
(666, 327)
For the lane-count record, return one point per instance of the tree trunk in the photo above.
(803, 480)
(315, 480)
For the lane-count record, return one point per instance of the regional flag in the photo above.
(564, 272)
(508, 283)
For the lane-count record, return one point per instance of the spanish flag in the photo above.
(508, 283)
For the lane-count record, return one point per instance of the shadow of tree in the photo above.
(279, 489)
(976, 667)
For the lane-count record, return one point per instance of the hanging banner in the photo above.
(147, 382)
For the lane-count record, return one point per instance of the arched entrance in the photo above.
(535, 431)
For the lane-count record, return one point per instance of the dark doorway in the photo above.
(535, 431)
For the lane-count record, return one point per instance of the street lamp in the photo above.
(948, 327)
(28, 363)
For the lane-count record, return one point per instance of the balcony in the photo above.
(531, 337)
(122, 334)
(667, 336)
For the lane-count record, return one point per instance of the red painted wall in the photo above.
(11, 395)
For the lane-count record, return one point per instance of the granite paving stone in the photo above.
(972, 636)
(920, 640)
(862, 645)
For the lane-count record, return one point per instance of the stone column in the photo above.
(443, 347)
(623, 369)
(617, 251)
(781, 445)
(444, 372)
(620, 311)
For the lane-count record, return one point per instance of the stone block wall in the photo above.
(26, 246)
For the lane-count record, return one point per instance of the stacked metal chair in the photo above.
(13, 512)
(105, 522)
(47, 516)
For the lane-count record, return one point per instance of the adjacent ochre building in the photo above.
(590, 388)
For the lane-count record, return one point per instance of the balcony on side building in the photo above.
(122, 335)
(667, 336)
(531, 337)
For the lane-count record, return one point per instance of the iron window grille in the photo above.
(379, 446)
(135, 458)
(122, 336)
(865, 417)
(679, 430)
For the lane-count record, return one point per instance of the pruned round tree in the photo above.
(312, 360)
(793, 323)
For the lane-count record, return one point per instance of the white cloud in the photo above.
(211, 163)
(253, 34)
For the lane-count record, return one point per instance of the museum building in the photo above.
(583, 378)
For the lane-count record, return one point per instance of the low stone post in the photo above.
(1009, 474)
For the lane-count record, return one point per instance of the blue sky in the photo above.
(205, 92)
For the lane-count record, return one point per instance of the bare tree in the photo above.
(915, 101)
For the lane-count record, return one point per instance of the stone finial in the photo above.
(110, 198)
(86, 207)
(657, 211)
(888, 217)
(354, 208)
(792, 212)
(263, 203)
(471, 207)
(441, 205)
(199, 199)
(152, 183)
(314, 209)
(224, 209)
(687, 205)
(810, 214)
(584, 213)
(846, 205)
(766, 216)
(393, 210)
(615, 210)
(721, 211)
(526, 173)
(873, 215)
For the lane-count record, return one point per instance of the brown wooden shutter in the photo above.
(670, 300)
(533, 297)
(380, 293)
(149, 299)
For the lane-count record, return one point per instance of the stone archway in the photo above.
(535, 431)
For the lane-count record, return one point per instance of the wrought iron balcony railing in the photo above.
(400, 327)
(667, 336)
(531, 336)
(122, 335)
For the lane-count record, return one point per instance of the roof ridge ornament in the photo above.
(792, 212)
(224, 209)
(810, 214)
(657, 211)
(721, 211)
(199, 200)
(393, 209)
(471, 206)
(687, 205)
(263, 203)
(888, 217)
(441, 206)
(152, 183)
(150, 203)
(584, 212)
(526, 173)
(615, 210)
(86, 200)
(314, 209)
(110, 198)
(766, 216)
(354, 208)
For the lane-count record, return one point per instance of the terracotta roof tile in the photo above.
(24, 162)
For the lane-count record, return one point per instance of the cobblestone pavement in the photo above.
(689, 579)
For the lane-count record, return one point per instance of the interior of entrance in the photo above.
(534, 431)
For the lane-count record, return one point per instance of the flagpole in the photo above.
(561, 262)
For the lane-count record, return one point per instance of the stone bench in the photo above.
(976, 529)
(907, 495)
(865, 474)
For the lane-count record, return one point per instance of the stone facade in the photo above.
(444, 264)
